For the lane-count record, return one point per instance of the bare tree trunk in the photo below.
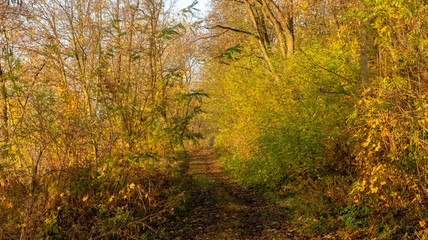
(5, 117)
(364, 56)
(277, 26)
(260, 39)
(289, 30)
(287, 23)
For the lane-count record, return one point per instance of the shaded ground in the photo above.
(224, 210)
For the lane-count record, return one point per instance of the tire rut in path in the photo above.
(224, 210)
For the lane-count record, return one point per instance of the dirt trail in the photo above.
(224, 210)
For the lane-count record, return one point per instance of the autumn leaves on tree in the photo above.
(320, 102)
(325, 100)
(96, 104)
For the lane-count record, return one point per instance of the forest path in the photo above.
(224, 210)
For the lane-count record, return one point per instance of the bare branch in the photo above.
(232, 29)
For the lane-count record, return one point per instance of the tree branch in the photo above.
(323, 68)
(232, 29)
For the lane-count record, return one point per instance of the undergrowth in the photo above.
(118, 200)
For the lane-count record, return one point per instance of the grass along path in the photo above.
(224, 210)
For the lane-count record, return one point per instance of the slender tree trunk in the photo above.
(5, 117)
(289, 30)
(364, 55)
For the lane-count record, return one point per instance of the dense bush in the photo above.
(341, 124)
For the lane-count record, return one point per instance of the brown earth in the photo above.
(221, 209)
